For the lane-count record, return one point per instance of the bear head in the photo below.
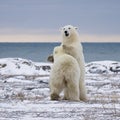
(58, 51)
(68, 31)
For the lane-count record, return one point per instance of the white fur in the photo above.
(72, 46)
(65, 74)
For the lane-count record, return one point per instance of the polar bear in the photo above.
(72, 46)
(64, 76)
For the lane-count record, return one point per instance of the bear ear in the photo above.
(76, 28)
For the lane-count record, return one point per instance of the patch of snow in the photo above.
(103, 67)
(25, 93)
(19, 66)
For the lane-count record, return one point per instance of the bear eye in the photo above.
(63, 28)
(69, 28)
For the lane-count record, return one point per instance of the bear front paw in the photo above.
(50, 58)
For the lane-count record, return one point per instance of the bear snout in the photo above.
(66, 33)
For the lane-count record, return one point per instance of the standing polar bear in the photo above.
(72, 46)
(64, 76)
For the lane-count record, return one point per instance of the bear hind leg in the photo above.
(71, 92)
(55, 91)
(83, 92)
(54, 96)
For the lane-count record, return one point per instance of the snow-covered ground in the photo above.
(24, 92)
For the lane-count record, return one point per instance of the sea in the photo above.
(38, 52)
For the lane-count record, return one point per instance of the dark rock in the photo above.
(5, 81)
(115, 70)
(3, 65)
(115, 63)
(37, 67)
(46, 68)
(98, 69)
(27, 63)
(43, 82)
(17, 65)
(30, 88)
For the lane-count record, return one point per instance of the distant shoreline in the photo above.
(53, 42)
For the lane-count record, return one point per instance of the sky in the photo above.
(41, 20)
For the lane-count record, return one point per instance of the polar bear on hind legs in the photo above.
(72, 46)
(64, 76)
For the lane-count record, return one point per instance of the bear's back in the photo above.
(66, 63)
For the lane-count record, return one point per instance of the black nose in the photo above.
(65, 31)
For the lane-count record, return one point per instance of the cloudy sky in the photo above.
(40, 20)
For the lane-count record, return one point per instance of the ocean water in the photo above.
(39, 52)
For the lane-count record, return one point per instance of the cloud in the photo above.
(29, 38)
(56, 38)
(100, 38)
(13, 31)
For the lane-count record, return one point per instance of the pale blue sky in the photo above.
(101, 17)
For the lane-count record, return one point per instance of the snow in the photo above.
(24, 92)
(18, 66)
(99, 67)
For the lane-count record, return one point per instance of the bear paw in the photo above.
(54, 96)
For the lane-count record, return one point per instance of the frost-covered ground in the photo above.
(24, 92)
